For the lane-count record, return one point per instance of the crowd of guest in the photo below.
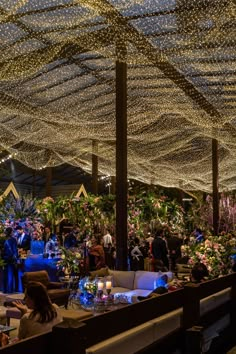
(157, 250)
(96, 251)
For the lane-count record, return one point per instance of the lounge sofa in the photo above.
(128, 285)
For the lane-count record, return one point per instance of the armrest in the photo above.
(55, 285)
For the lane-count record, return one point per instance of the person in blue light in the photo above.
(198, 235)
(10, 257)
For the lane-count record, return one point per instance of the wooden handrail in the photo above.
(74, 337)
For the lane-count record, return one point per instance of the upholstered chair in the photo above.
(56, 292)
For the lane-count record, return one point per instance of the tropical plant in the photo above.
(201, 213)
(21, 208)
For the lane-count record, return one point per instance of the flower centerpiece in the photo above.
(215, 252)
(69, 263)
(88, 290)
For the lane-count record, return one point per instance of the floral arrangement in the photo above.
(215, 252)
(69, 263)
(201, 213)
(92, 213)
(88, 289)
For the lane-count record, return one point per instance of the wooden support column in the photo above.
(121, 165)
(95, 167)
(215, 191)
(48, 181)
(113, 185)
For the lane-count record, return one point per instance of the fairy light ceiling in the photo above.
(57, 86)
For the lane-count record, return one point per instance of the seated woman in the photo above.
(39, 315)
(199, 273)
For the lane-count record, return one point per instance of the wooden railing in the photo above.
(74, 337)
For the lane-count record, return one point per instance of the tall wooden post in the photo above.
(121, 165)
(113, 185)
(48, 181)
(95, 167)
(215, 191)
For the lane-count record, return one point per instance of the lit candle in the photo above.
(108, 284)
(100, 285)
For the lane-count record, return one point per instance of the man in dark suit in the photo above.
(159, 248)
(174, 246)
(23, 239)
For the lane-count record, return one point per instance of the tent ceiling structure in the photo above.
(57, 86)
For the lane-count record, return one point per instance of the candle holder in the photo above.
(99, 302)
(99, 294)
(109, 300)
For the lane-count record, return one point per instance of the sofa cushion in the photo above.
(147, 280)
(122, 278)
(103, 272)
(209, 303)
(128, 342)
(131, 296)
(118, 289)
(166, 324)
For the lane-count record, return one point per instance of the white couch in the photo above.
(128, 285)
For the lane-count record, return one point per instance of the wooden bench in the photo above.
(214, 322)
(161, 324)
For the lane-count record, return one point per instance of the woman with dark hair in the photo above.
(199, 273)
(39, 315)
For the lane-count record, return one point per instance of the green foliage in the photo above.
(201, 213)
(93, 213)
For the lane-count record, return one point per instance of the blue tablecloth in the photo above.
(37, 262)
(33, 263)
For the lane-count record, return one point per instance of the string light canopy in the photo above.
(57, 86)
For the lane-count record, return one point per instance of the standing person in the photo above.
(96, 255)
(198, 235)
(107, 246)
(23, 239)
(70, 240)
(159, 248)
(10, 256)
(174, 246)
(137, 262)
(48, 235)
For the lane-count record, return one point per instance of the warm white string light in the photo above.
(9, 157)
(57, 86)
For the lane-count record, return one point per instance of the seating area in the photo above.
(196, 318)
